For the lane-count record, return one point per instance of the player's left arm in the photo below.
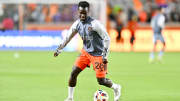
(101, 30)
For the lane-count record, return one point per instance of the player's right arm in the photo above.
(71, 33)
(161, 21)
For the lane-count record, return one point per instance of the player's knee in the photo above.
(72, 79)
(72, 83)
(101, 81)
(75, 72)
(105, 82)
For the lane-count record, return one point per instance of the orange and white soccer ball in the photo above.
(101, 95)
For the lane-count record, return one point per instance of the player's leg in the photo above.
(108, 83)
(101, 71)
(105, 82)
(73, 77)
(151, 56)
(163, 48)
(132, 41)
(81, 63)
(72, 82)
(119, 30)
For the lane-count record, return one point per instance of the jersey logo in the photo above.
(87, 38)
(89, 29)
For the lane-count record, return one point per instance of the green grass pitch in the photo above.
(38, 76)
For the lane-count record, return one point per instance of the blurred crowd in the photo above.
(143, 9)
(133, 13)
(50, 13)
(9, 16)
(36, 13)
(120, 13)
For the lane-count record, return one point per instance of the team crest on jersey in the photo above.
(89, 29)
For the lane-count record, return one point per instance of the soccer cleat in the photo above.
(117, 93)
(69, 99)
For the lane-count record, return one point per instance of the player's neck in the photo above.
(86, 20)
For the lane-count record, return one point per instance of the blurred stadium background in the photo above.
(30, 31)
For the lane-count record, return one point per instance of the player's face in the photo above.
(83, 14)
(163, 10)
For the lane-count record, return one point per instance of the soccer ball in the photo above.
(101, 95)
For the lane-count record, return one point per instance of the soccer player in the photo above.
(95, 50)
(132, 26)
(157, 24)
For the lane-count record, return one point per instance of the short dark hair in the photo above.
(159, 7)
(83, 4)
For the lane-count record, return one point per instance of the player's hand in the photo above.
(55, 54)
(105, 61)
